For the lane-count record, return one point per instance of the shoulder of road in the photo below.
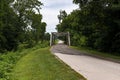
(96, 54)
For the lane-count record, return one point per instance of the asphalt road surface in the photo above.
(91, 68)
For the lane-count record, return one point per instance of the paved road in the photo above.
(90, 67)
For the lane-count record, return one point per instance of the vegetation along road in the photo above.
(95, 24)
(90, 67)
(40, 64)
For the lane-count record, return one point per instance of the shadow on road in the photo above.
(64, 49)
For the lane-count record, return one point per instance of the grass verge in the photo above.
(107, 56)
(9, 59)
(40, 64)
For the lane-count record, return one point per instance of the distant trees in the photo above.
(61, 17)
(81, 3)
(96, 25)
(20, 21)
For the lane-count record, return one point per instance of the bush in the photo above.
(7, 62)
(83, 41)
(9, 59)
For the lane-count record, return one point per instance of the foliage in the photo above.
(20, 22)
(47, 36)
(62, 15)
(39, 63)
(95, 53)
(9, 59)
(20, 27)
(8, 27)
(95, 24)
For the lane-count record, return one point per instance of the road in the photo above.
(91, 68)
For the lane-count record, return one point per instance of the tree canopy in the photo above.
(20, 22)
(95, 25)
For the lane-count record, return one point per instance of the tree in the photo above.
(81, 3)
(95, 25)
(38, 27)
(62, 15)
(17, 20)
(8, 27)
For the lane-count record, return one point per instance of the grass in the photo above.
(40, 64)
(8, 61)
(103, 55)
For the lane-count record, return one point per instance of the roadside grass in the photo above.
(8, 59)
(95, 53)
(40, 64)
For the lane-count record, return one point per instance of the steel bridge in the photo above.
(57, 34)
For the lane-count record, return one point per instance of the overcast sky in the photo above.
(51, 9)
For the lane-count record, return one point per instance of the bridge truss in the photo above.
(57, 34)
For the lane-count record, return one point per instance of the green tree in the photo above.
(8, 26)
(24, 9)
(95, 25)
(18, 20)
(62, 15)
(81, 3)
(38, 27)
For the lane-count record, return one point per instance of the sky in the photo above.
(51, 9)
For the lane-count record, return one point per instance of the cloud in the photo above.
(57, 4)
(51, 9)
